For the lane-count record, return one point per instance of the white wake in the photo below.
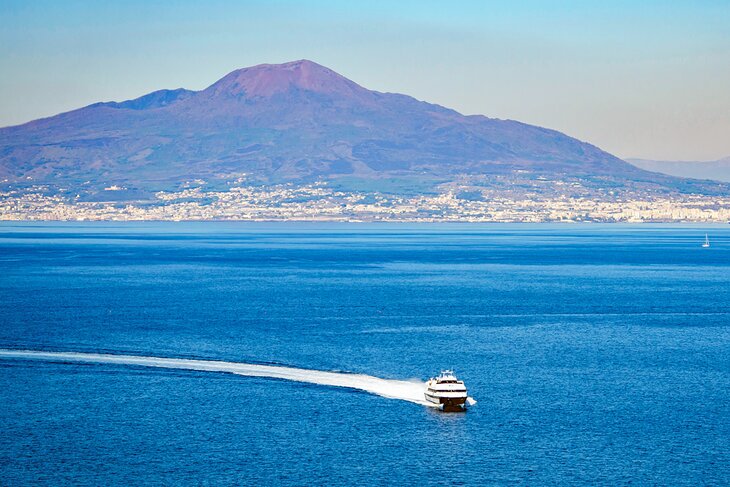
(394, 389)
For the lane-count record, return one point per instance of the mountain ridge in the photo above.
(290, 122)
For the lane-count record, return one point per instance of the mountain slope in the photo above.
(297, 121)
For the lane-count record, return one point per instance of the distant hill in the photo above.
(718, 170)
(297, 121)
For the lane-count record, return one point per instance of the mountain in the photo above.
(297, 121)
(718, 170)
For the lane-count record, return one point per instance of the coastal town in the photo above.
(321, 202)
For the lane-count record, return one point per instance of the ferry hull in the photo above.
(450, 404)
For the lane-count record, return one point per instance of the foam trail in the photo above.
(394, 389)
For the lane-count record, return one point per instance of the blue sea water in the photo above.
(599, 354)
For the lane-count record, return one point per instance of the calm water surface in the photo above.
(598, 354)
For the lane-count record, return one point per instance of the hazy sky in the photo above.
(644, 79)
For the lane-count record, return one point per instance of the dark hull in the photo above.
(449, 405)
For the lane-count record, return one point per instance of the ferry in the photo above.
(447, 392)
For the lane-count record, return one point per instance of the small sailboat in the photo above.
(706, 243)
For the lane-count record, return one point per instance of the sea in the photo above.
(239, 353)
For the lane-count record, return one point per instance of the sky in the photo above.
(647, 79)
